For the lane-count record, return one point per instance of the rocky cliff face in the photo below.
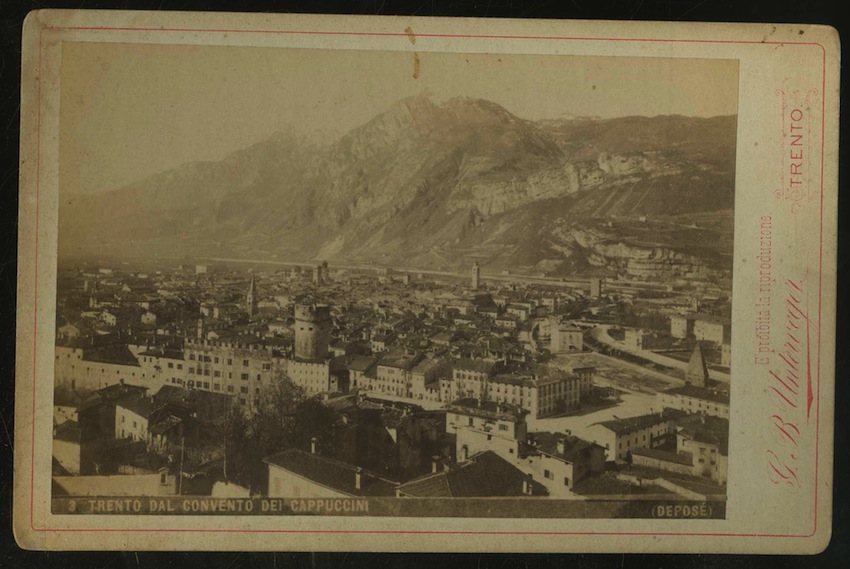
(434, 186)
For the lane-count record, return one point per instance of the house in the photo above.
(294, 473)
(96, 367)
(362, 371)
(394, 373)
(160, 483)
(561, 460)
(694, 399)
(425, 379)
(566, 337)
(68, 446)
(485, 426)
(712, 329)
(701, 449)
(621, 436)
(681, 326)
(484, 474)
(469, 378)
(134, 415)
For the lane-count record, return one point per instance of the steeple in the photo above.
(251, 299)
(697, 371)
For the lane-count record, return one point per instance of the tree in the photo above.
(283, 417)
(314, 419)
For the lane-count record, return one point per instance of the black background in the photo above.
(12, 14)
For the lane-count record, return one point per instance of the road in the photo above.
(564, 282)
(600, 334)
(585, 427)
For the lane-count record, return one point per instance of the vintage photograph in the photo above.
(382, 283)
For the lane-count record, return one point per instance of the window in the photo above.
(245, 376)
(206, 385)
(259, 377)
(548, 475)
(470, 421)
(245, 363)
(163, 478)
(216, 359)
(206, 372)
(566, 481)
(267, 367)
(217, 386)
(243, 389)
(503, 427)
(230, 361)
(230, 389)
(192, 357)
(216, 373)
(179, 366)
(170, 365)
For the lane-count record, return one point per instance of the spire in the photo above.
(697, 371)
(251, 299)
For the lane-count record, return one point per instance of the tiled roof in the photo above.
(69, 431)
(630, 424)
(515, 379)
(400, 360)
(426, 365)
(684, 458)
(120, 354)
(165, 425)
(141, 406)
(489, 409)
(485, 474)
(117, 390)
(331, 473)
(481, 366)
(574, 447)
(706, 429)
(700, 393)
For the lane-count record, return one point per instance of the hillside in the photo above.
(436, 185)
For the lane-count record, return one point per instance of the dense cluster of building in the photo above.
(434, 382)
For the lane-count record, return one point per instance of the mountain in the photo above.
(432, 185)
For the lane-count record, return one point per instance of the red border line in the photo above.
(393, 34)
(426, 35)
(35, 285)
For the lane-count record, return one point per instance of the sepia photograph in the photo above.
(326, 283)
(386, 283)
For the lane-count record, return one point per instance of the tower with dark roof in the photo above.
(312, 331)
(697, 371)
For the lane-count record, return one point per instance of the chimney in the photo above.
(313, 446)
(562, 446)
(435, 464)
(358, 478)
(527, 485)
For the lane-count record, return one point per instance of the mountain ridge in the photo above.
(423, 182)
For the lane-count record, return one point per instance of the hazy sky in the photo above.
(131, 110)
